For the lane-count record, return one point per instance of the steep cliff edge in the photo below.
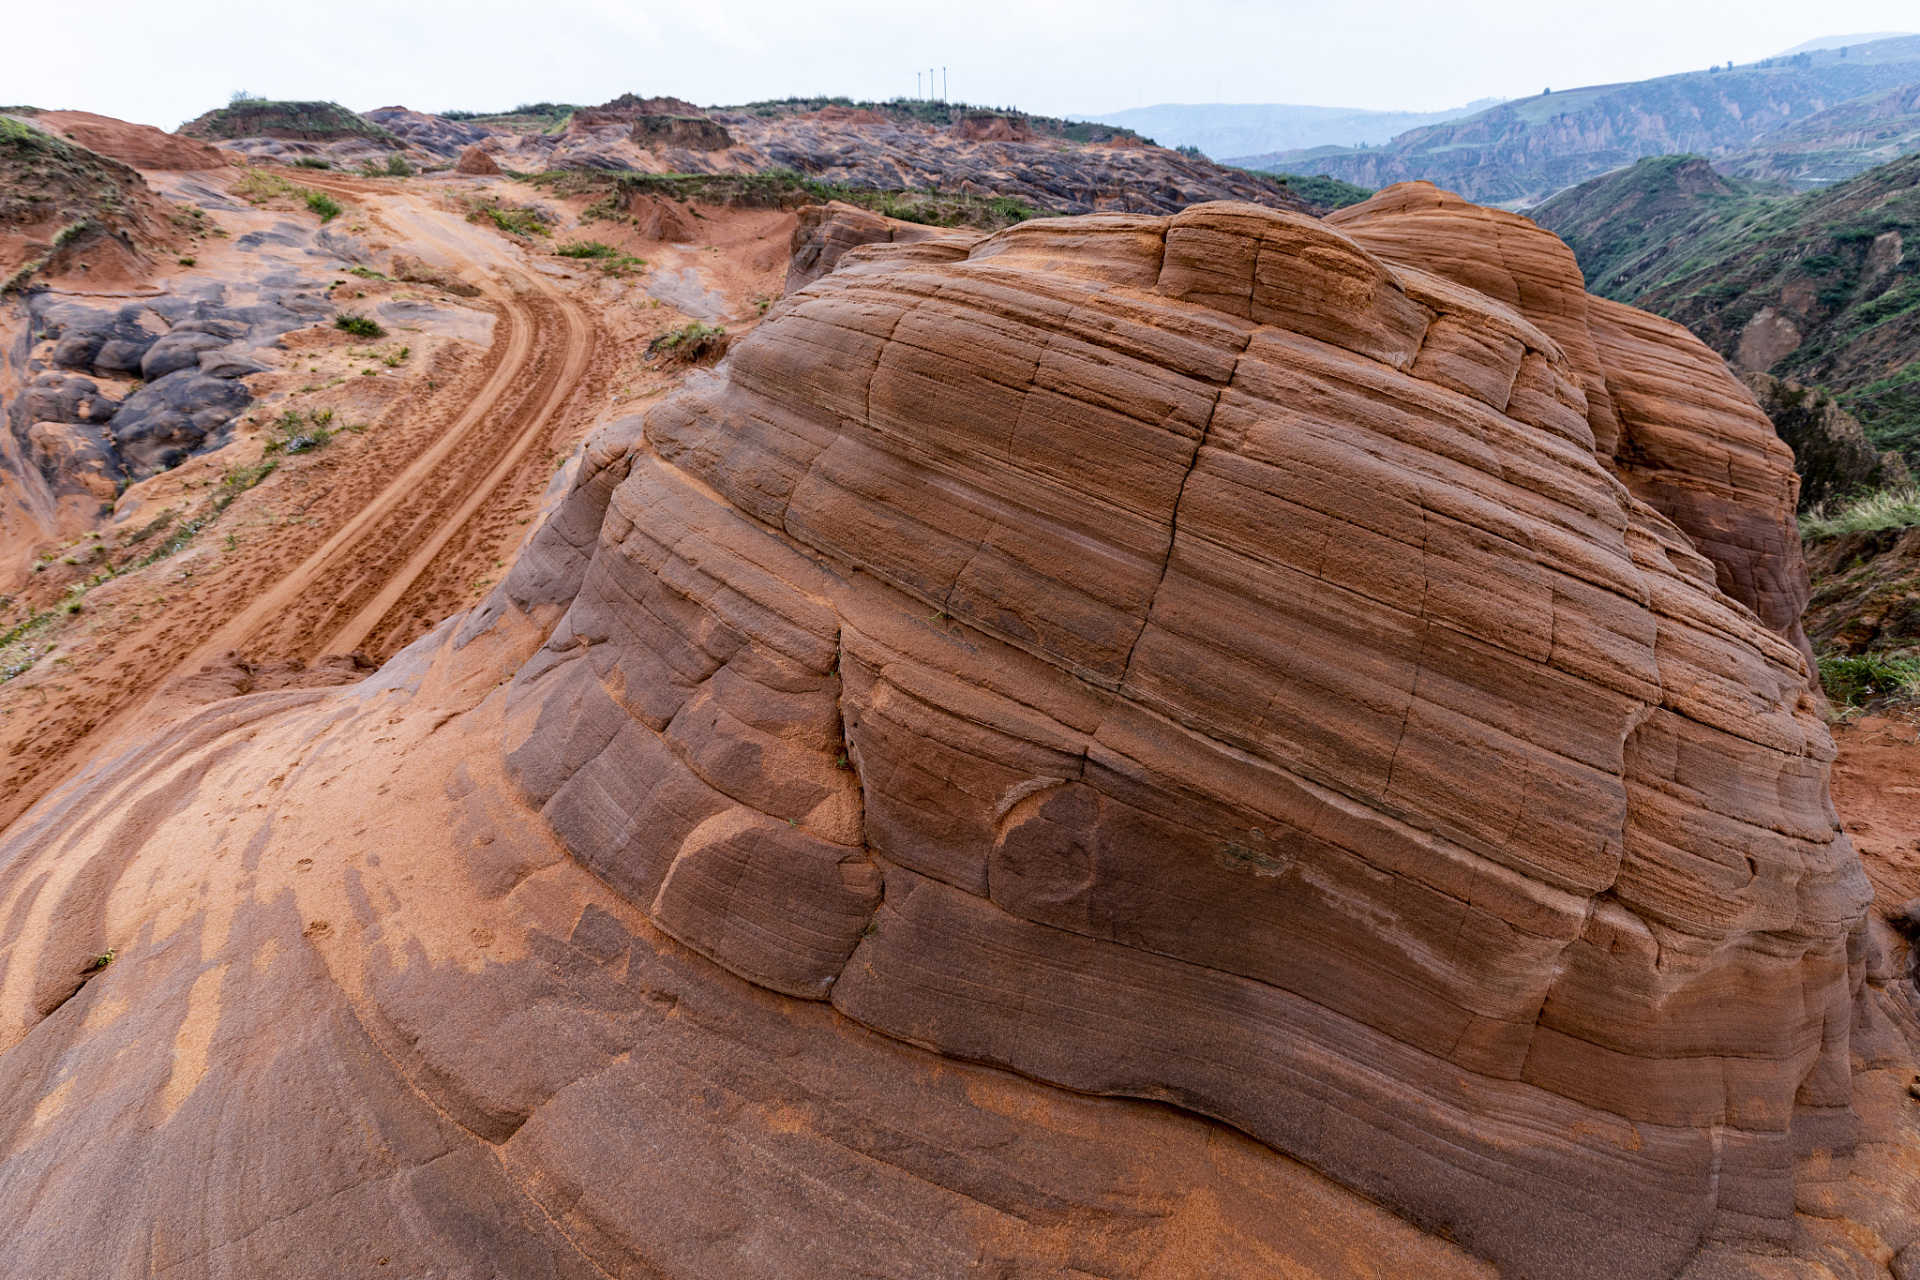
(1319, 677)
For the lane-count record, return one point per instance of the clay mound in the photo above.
(475, 161)
(139, 145)
(1195, 660)
(323, 122)
(849, 115)
(69, 211)
(694, 133)
(991, 128)
(629, 107)
(657, 218)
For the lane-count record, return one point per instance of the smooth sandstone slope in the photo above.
(1191, 660)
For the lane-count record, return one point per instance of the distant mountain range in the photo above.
(1810, 118)
(1239, 129)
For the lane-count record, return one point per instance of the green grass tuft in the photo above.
(359, 326)
(690, 343)
(324, 205)
(1883, 509)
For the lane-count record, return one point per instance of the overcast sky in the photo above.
(165, 63)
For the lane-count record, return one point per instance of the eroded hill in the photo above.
(1822, 287)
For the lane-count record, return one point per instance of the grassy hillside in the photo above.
(297, 121)
(1658, 218)
(1822, 287)
(941, 114)
(1523, 151)
(1323, 193)
(1836, 144)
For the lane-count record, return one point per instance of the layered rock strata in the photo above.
(1197, 659)
(1666, 414)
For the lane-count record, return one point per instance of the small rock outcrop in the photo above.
(693, 133)
(476, 162)
(1221, 660)
(824, 233)
(1830, 449)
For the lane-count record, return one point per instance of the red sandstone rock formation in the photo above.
(1666, 414)
(823, 234)
(1206, 660)
(477, 162)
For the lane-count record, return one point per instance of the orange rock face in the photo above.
(475, 161)
(1211, 660)
(1668, 416)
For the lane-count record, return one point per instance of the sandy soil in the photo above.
(365, 544)
(1876, 788)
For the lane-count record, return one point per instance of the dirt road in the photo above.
(412, 523)
(390, 558)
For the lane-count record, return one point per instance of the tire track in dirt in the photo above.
(428, 566)
(339, 593)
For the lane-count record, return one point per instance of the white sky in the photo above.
(165, 63)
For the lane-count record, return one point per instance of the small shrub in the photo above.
(365, 273)
(323, 205)
(238, 480)
(612, 261)
(358, 325)
(518, 222)
(1855, 682)
(300, 433)
(395, 166)
(690, 344)
(313, 162)
(188, 262)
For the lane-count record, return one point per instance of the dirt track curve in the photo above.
(407, 528)
(383, 559)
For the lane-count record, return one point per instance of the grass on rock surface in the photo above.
(1866, 601)
(784, 189)
(1868, 513)
(30, 639)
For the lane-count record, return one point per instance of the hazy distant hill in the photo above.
(1520, 152)
(1250, 129)
(1836, 144)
